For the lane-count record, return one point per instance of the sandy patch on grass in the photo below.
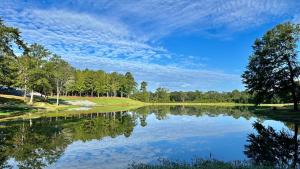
(84, 103)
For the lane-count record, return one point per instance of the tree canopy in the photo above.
(273, 68)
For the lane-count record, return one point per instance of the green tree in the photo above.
(142, 95)
(130, 84)
(61, 73)
(100, 82)
(144, 86)
(114, 83)
(9, 37)
(79, 82)
(162, 95)
(38, 79)
(273, 67)
(24, 64)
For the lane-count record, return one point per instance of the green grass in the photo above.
(197, 164)
(284, 113)
(13, 107)
(104, 101)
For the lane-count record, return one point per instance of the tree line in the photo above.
(163, 95)
(37, 69)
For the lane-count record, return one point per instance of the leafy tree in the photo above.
(114, 83)
(273, 67)
(142, 95)
(89, 81)
(144, 86)
(24, 63)
(9, 37)
(100, 82)
(37, 74)
(79, 80)
(130, 83)
(162, 95)
(61, 72)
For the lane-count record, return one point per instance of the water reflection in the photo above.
(147, 133)
(271, 148)
(40, 142)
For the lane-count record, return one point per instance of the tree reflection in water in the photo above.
(41, 142)
(271, 148)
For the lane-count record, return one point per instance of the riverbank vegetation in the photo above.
(197, 164)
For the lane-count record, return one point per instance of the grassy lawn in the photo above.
(12, 107)
(101, 101)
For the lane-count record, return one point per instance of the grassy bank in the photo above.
(12, 107)
(15, 105)
(101, 101)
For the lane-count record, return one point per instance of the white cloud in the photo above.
(171, 77)
(161, 17)
(124, 36)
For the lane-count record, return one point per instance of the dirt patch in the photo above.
(84, 103)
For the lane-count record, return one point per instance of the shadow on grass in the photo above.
(14, 106)
(4, 100)
(285, 114)
(61, 101)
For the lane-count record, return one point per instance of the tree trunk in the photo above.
(98, 94)
(295, 101)
(106, 94)
(121, 94)
(57, 94)
(80, 94)
(92, 93)
(25, 92)
(292, 76)
(31, 97)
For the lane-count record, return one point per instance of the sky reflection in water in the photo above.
(177, 137)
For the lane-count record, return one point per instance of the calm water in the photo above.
(116, 139)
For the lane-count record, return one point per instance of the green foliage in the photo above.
(273, 67)
(9, 37)
(161, 95)
(89, 83)
(39, 143)
(142, 95)
(211, 97)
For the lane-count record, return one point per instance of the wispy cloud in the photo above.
(125, 35)
(161, 17)
(172, 77)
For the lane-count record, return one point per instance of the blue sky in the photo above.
(177, 44)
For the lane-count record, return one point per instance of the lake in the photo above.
(116, 139)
